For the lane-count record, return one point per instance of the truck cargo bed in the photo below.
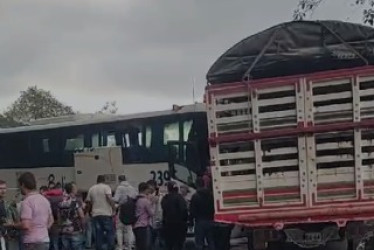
(293, 149)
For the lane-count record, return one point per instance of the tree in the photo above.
(109, 108)
(35, 104)
(6, 122)
(306, 8)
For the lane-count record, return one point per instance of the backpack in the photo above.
(127, 211)
(68, 211)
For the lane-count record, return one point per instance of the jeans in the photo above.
(143, 237)
(54, 242)
(104, 230)
(204, 231)
(36, 246)
(54, 237)
(125, 236)
(70, 242)
(89, 233)
(157, 241)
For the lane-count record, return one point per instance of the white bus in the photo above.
(142, 146)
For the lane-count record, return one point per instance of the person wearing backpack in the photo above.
(71, 216)
(174, 218)
(54, 196)
(124, 194)
(144, 213)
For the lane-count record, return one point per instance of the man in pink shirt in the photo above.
(36, 215)
(144, 213)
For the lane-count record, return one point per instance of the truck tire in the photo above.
(337, 245)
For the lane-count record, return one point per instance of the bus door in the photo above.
(184, 161)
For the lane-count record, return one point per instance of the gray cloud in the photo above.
(142, 53)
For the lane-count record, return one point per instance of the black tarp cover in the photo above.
(295, 48)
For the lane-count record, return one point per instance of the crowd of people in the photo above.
(141, 219)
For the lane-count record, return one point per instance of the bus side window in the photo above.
(126, 140)
(95, 140)
(148, 136)
(171, 132)
(187, 126)
(45, 145)
(111, 140)
(74, 143)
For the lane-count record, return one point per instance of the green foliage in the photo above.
(35, 104)
(306, 8)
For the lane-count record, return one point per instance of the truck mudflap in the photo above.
(296, 149)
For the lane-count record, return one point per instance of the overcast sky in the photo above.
(141, 53)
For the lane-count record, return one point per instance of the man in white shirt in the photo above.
(100, 198)
(124, 232)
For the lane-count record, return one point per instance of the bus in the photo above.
(77, 148)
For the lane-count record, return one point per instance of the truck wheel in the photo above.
(337, 245)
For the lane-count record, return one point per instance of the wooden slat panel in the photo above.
(281, 182)
(334, 108)
(331, 83)
(232, 106)
(238, 178)
(331, 120)
(367, 92)
(275, 101)
(276, 89)
(280, 163)
(336, 171)
(365, 79)
(235, 185)
(278, 114)
(280, 151)
(240, 155)
(230, 95)
(334, 145)
(277, 176)
(336, 178)
(238, 167)
(279, 125)
(367, 105)
(233, 119)
(334, 158)
(340, 95)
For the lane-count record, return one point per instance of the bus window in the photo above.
(45, 144)
(111, 140)
(140, 138)
(187, 125)
(126, 140)
(72, 144)
(95, 141)
(148, 136)
(171, 132)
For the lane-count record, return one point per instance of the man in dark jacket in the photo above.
(174, 219)
(202, 212)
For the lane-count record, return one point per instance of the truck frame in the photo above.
(292, 158)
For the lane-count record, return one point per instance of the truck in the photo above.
(291, 135)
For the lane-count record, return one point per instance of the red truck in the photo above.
(291, 135)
